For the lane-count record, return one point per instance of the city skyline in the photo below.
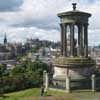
(22, 19)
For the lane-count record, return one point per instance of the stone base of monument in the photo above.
(78, 69)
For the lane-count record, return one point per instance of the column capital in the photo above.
(82, 24)
(71, 23)
(85, 24)
(63, 24)
(79, 24)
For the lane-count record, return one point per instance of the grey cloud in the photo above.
(45, 23)
(50, 22)
(10, 5)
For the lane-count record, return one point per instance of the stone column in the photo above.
(46, 87)
(72, 40)
(45, 79)
(86, 40)
(61, 26)
(67, 81)
(80, 40)
(93, 83)
(64, 40)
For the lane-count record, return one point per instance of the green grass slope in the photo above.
(34, 94)
(21, 94)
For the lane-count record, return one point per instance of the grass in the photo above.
(21, 94)
(34, 94)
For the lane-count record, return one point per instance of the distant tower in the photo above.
(5, 39)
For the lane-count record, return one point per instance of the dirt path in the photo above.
(50, 98)
(72, 96)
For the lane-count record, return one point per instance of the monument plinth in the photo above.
(77, 63)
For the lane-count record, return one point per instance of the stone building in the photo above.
(6, 50)
(9, 50)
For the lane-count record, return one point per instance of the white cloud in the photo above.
(38, 18)
(21, 34)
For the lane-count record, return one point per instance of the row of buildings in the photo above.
(48, 50)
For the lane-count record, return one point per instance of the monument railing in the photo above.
(98, 83)
(92, 83)
(79, 84)
(95, 83)
(58, 84)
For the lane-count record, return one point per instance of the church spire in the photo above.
(5, 39)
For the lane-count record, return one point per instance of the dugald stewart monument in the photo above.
(74, 61)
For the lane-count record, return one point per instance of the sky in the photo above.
(22, 19)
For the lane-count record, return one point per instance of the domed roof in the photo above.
(74, 12)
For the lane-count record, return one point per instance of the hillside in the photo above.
(21, 95)
(34, 94)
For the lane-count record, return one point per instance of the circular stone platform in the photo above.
(79, 68)
(73, 62)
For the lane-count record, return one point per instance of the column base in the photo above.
(68, 91)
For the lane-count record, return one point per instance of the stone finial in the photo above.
(74, 6)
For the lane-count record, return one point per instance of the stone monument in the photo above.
(77, 64)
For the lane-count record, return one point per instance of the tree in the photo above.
(26, 75)
(2, 70)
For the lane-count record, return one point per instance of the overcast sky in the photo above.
(22, 19)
